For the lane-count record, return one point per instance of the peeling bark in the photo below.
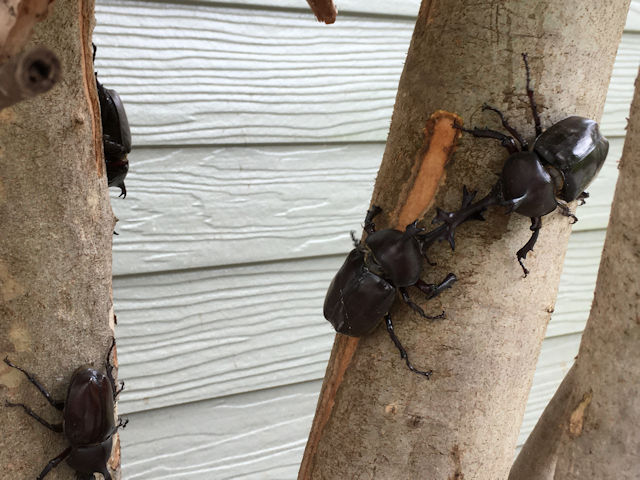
(380, 420)
(588, 430)
(55, 249)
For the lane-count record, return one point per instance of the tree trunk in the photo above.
(55, 248)
(588, 430)
(375, 419)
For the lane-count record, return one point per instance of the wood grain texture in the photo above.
(208, 74)
(204, 207)
(189, 336)
(261, 435)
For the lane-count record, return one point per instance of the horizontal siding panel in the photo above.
(189, 336)
(261, 435)
(195, 207)
(405, 8)
(577, 283)
(633, 18)
(199, 74)
(195, 74)
(555, 360)
(258, 435)
(204, 207)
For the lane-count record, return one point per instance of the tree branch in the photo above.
(587, 430)
(17, 18)
(27, 75)
(385, 422)
(55, 250)
(324, 10)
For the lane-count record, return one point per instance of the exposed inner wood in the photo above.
(440, 140)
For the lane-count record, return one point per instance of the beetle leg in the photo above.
(432, 290)
(403, 352)
(369, 226)
(505, 140)
(121, 423)
(536, 223)
(564, 210)
(523, 143)
(105, 473)
(451, 220)
(424, 254)
(415, 307)
(582, 197)
(532, 101)
(54, 463)
(109, 369)
(58, 404)
(56, 427)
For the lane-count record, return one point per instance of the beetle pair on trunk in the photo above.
(562, 162)
(88, 419)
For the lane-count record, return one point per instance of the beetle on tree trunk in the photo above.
(562, 163)
(88, 419)
(116, 135)
(386, 262)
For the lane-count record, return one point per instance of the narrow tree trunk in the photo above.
(55, 247)
(589, 429)
(375, 419)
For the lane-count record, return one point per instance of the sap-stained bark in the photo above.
(589, 429)
(384, 421)
(55, 247)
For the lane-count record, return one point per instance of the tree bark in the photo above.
(17, 18)
(375, 419)
(55, 248)
(588, 430)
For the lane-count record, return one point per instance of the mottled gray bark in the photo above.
(589, 429)
(379, 420)
(55, 247)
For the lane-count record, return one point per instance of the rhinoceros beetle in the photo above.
(386, 262)
(88, 419)
(116, 135)
(561, 164)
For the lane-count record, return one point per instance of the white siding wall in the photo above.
(257, 136)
